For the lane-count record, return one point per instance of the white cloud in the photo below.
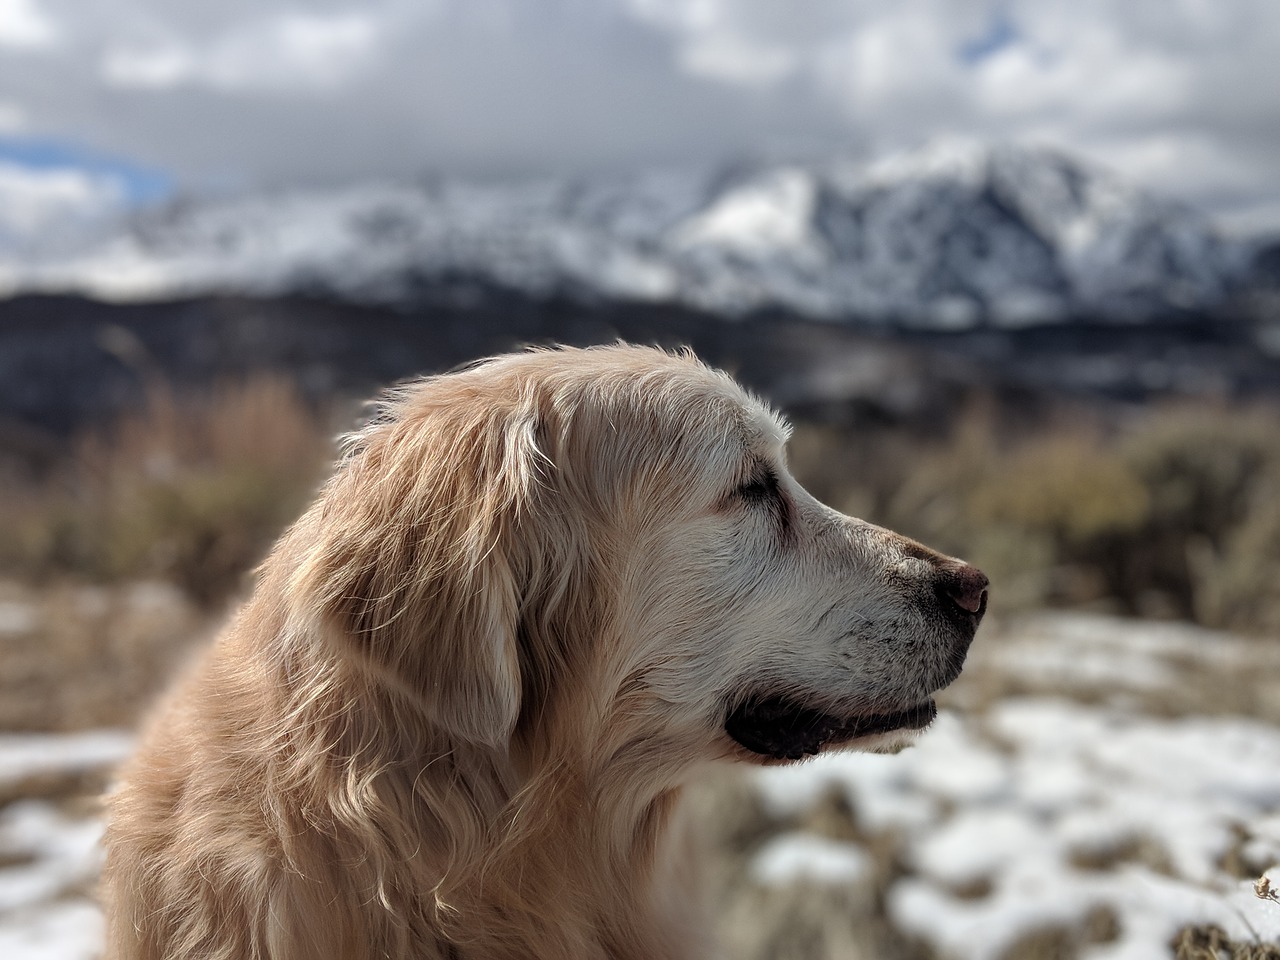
(314, 89)
(35, 200)
(12, 118)
(22, 24)
(306, 53)
(894, 67)
(154, 67)
(738, 61)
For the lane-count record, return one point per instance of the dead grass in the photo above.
(75, 657)
(124, 554)
(1109, 856)
(804, 920)
(1172, 512)
(124, 557)
(190, 490)
(1053, 942)
(1223, 675)
(1212, 943)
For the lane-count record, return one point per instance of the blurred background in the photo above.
(1012, 269)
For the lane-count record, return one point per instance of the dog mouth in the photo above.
(783, 728)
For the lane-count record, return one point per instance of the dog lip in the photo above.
(783, 727)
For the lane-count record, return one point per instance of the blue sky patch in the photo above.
(1000, 32)
(141, 184)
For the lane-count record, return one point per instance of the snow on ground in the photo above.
(1046, 810)
(1085, 800)
(1037, 810)
(29, 755)
(48, 854)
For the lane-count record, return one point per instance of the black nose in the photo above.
(965, 586)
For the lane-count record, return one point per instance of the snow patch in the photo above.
(795, 857)
(950, 238)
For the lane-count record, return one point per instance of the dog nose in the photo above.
(965, 586)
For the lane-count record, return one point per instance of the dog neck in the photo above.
(515, 852)
(578, 870)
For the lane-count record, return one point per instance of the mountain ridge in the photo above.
(961, 236)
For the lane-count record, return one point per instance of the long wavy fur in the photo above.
(416, 739)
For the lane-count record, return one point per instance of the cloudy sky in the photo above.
(141, 98)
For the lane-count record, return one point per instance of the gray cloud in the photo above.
(1179, 94)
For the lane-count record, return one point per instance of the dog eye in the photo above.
(760, 488)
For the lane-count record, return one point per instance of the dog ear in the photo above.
(414, 569)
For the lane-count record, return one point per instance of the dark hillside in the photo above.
(67, 362)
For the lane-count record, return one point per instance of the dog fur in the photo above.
(455, 717)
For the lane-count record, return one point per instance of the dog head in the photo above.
(603, 549)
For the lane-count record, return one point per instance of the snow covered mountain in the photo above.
(953, 237)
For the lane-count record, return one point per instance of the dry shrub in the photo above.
(1203, 464)
(1241, 579)
(1213, 475)
(1212, 943)
(1040, 513)
(1170, 512)
(804, 921)
(1044, 943)
(1066, 487)
(191, 489)
(1173, 511)
(1052, 942)
(76, 657)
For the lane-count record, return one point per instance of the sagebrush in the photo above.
(1167, 511)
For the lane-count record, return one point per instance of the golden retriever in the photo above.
(455, 717)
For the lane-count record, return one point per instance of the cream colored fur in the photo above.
(455, 717)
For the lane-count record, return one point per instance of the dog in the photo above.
(455, 717)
